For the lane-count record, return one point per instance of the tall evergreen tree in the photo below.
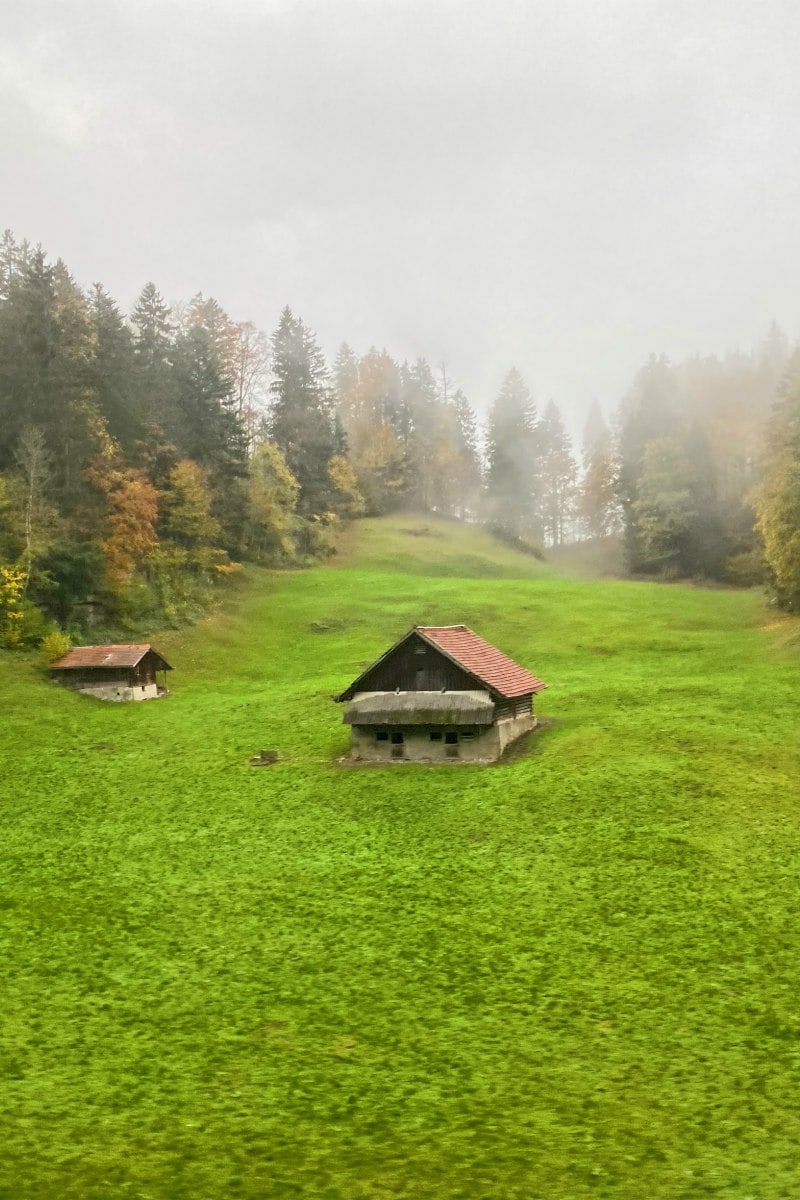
(207, 429)
(469, 473)
(153, 343)
(650, 412)
(301, 416)
(664, 508)
(46, 350)
(597, 503)
(345, 385)
(511, 484)
(558, 472)
(113, 369)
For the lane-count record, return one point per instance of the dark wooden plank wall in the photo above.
(417, 667)
(513, 708)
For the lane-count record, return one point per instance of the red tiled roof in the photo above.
(495, 669)
(101, 656)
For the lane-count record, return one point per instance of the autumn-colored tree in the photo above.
(12, 616)
(778, 512)
(249, 371)
(132, 521)
(272, 492)
(348, 501)
(187, 506)
(131, 510)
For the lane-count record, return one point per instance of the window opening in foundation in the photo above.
(382, 735)
(397, 737)
(451, 737)
(436, 735)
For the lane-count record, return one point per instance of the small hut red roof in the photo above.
(105, 656)
(485, 662)
(487, 665)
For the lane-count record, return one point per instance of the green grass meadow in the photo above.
(572, 975)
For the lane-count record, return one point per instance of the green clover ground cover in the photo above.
(574, 975)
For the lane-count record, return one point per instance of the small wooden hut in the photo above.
(440, 693)
(113, 672)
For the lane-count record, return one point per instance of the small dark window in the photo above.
(397, 737)
(382, 736)
(451, 737)
(436, 735)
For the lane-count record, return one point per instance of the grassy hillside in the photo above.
(570, 976)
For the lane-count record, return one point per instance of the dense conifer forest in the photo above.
(145, 457)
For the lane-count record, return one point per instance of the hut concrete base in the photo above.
(119, 692)
(487, 745)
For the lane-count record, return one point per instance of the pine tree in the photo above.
(153, 347)
(469, 474)
(420, 430)
(46, 351)
(207, 429)
(558, 472)
(664, 507)
(301, 416)
(597, 504)
(113, 380)
(650, 412)
(345, 385)
(512, 452)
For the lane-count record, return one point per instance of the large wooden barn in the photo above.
(113, 672)
(440, 693)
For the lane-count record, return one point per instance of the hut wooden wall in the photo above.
(416, 667)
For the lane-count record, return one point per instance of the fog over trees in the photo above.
(144, 457)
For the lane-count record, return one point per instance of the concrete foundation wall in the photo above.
(118, 691)
(487, 745)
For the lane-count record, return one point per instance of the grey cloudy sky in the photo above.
(564, 185)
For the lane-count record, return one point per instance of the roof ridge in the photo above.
(459, 626)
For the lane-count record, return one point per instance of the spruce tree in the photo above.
(597, 504)
(300, 421)
(153, 346)
(113, 369)
(511, 483)
(557, 475)
(345, 385)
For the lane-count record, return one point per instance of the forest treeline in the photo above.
(144, 457)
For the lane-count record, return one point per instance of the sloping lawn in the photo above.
(573, 975)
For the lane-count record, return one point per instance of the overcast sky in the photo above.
(561, 185)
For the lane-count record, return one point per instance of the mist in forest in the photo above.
(272, 266)
(565, 188)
